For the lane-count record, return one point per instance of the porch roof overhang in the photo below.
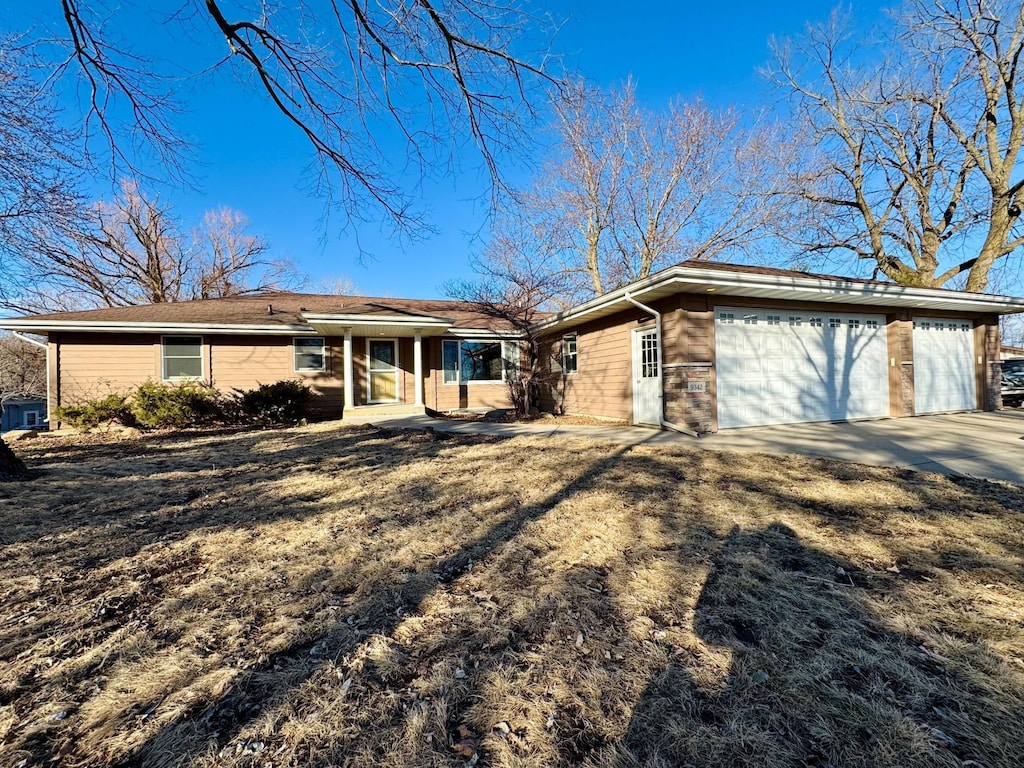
(378, 325)
(714, 282)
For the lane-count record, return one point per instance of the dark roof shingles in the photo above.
(282, 308)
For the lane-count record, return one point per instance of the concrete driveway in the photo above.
(982, 445)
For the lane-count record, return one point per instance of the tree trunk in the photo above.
(993, 246)
(11, 467)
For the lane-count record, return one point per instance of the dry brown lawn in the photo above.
(341, 596)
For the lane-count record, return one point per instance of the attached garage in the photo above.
(776, 366)
(746, 346)
(943, 365)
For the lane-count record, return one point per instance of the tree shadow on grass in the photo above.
(368, 669)
(815, 679)
(377, 608)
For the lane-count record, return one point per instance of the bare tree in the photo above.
(915, 149)
(335, 285)
(134, 251)
(630, 190)
(22, 369)
(38, 169)
(340, 72)
(517, 286)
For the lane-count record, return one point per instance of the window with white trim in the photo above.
(796, 320)
(570, 360)
(181, 358)
(815, 322)
(727, 318)
(750, 319)
(478, 361)
(309, 355)
(774, 319)
(870, 323)
(834, 322)
(32, 419)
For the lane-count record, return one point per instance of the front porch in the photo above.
(383, 365)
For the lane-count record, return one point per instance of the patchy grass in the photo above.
(351, 596)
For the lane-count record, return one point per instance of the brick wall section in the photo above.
(907, 388)
(688, 409)
(994, 388)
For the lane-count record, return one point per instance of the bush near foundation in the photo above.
(276, 403)
(160, 406)
(89, 414)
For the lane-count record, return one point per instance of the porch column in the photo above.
(350, 395)
(417, 357)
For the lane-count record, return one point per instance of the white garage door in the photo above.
(943, 365)
(779, 367)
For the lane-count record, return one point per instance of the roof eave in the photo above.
(45, 327)
(377, 325)
(780, 288)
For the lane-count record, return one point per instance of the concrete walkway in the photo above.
(982, 445)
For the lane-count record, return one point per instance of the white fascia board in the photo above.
(600, 302)
(345, 320)
(112, 326)
(485, 333)
(889, 294)
(784, 288)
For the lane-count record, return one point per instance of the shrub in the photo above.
(158, 405)
(280, 402)
(91, 413)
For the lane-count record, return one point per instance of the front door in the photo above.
(383, 370)
(646, 377)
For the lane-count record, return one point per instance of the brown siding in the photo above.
(92, 365)
(603, 383)
(901, 359)
(245, 362)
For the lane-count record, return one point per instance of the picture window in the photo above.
(478, 361)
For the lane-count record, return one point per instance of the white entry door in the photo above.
(779, 366)
(646, 377)
(943, 365)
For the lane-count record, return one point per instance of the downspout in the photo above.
(47, 348)
(661, 367)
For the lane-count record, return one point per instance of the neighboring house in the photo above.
(23, 413)
(699, 346)
(1007, 352)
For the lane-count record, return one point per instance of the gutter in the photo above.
(23, 337)
(662, 422)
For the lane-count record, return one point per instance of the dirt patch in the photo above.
(349, 595)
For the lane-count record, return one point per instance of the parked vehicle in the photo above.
(1013, 382)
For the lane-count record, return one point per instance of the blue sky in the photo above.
(248, 158)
